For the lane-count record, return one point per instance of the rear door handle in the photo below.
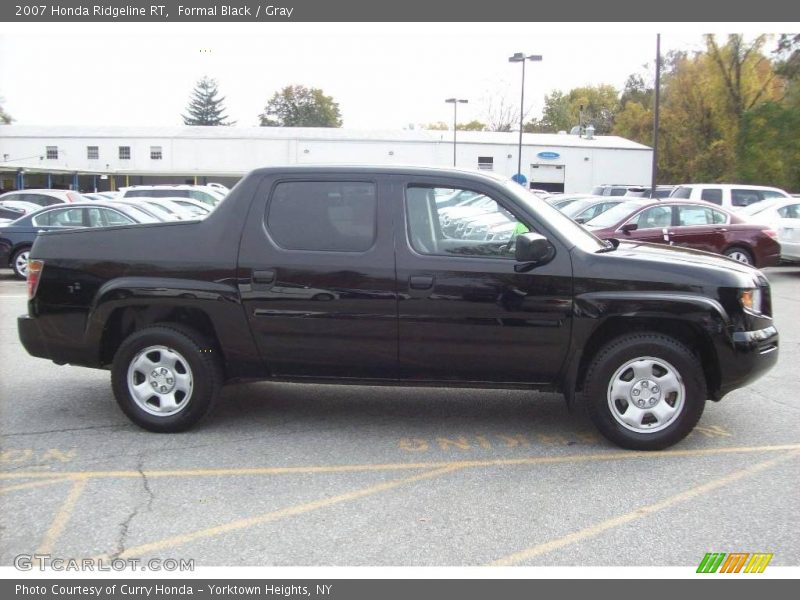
(721, 229)
(263, 275)
(420, 282)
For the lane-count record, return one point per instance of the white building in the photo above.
(107, 157)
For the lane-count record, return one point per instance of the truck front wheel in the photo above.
(645, 391)
(166, 377)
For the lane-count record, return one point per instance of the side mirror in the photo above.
(628, 227)
(581, 220)
(532, 250)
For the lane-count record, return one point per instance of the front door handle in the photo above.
(263, 275)
(420, 282)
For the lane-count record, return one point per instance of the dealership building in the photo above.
(103, 158)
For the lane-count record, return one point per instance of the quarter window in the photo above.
(478, 227)
(335, 216)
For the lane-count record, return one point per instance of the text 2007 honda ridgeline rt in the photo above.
(380, 274)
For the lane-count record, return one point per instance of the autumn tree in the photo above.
(300, 106)
(205, 106)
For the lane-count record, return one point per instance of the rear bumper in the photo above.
(753, 353)
(31, 337)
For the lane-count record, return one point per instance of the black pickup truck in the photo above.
(346, 275)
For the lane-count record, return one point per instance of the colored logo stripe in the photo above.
(734, 562)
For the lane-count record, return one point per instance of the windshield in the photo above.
(569, 230)
(613, 215)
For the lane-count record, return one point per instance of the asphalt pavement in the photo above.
(286, 474)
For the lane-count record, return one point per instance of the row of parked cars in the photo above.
(26, 213)
(751, 224)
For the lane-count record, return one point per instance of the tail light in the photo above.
(35, 268)
(771, 233)
(73, 197)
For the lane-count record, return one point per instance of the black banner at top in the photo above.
(253, 11)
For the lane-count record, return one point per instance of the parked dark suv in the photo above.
(345, 275)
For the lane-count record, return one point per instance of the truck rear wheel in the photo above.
(166, 377)
(645, 391)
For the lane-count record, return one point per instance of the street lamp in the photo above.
(455, 102)
(521, 58)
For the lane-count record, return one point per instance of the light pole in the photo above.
(455, 102)
(521, 58)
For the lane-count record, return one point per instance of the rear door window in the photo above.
(790, 211)
(337, 216)
(713, 195)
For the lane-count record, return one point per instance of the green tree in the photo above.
(563, 111)
(300, 106)
(437, 126)
(473, 125)
(205, 108)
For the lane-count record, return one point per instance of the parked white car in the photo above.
(782, 215)
(44, 197)
(730, 196)
(205, 194)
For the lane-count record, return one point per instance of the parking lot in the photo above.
(327, 475)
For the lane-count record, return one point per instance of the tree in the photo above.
(5, 118)
(300, 106)
(501, 114)
(437, 126)
(205, 108)
(474, 125)
(563, 111)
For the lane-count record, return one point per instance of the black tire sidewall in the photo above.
(205, 378)
(612, 357)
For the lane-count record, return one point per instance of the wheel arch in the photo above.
(125, 320)
(686, 332)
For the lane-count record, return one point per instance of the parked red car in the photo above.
(691, 224)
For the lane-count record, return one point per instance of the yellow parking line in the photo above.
(62, 517)
(603, 526)
(35, 484)
(533, 460)
(283, 513)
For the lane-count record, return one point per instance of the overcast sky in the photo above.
(382, 75)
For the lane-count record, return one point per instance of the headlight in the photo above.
(751, 300)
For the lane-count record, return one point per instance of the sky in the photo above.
(384, 76)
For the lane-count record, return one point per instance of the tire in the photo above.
(741, 255)
(19, 263)
(652, 369)
(177, 373)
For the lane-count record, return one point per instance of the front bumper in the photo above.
(752, 354)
